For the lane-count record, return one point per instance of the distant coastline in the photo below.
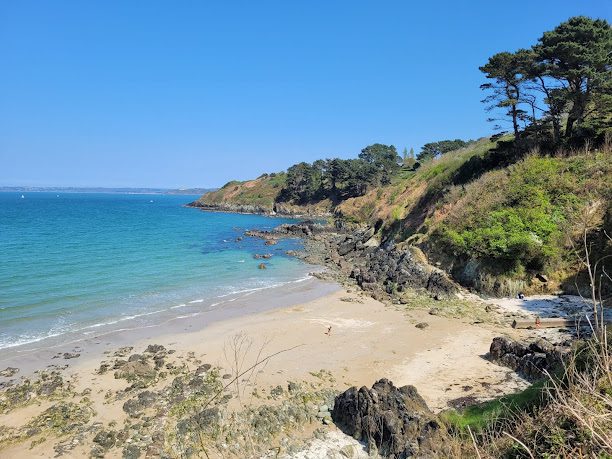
(27, 189)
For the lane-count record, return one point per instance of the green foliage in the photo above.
(383, 162)
(518, 220)
(485, 415)
(507, 72)
(340, 179)
(261, 192)
(569, 69)
(514, 236)
(434, 149)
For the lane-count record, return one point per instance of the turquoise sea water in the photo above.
(74, 262)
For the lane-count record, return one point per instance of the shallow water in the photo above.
(74, 262)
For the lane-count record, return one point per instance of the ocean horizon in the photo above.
(76, 263)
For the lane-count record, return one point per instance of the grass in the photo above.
(408, 187)
(487, 415)
(261, 192)
(517, 219)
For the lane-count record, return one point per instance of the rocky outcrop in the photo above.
(277, 209)
(529, 360)
(233, 208)
(382, 269)
(396, 269)
(394, 421)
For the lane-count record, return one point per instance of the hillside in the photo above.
(260, 195)
(498, 231)
(257, 195)
(496, 220)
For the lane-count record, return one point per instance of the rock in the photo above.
(159, 361)
(435, 311)
(50, 385)
(155, 348)
(542, 277)
(9, 371)
(422, 325)
(131, 452)
(276, 391)
(348, 451)
(105, 438)
(348, 245)
(71, 355)
(104, 367)
(394, 421)
(262, 266)
(135, 406)
(135, 370)
(227, 376)
(271, 242)
(529, 360)
(136, 358)
(123, 351)
(203, 368)
(97, 451)
(119, 363)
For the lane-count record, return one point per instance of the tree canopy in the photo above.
(565, 77)
(339, 179)
(434, 149)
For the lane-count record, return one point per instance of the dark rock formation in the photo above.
(135, 406)
(396, 269)
(530, 360)
(382, 270)
(233, 208)
(395, 421)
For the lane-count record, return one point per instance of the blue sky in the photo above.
(173, 94)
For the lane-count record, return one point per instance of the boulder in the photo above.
(9, 371)
(154, 348)
(105, 438)
(135, 370)
(529, 360)
(135, 406)
(394, 421)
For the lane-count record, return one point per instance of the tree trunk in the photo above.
(515, 121)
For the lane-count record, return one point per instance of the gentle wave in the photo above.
(87, 330)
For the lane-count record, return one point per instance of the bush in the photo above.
(518, 219)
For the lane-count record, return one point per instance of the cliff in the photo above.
(496, 218)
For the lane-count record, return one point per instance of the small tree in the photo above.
(434, 149)
(507, 72)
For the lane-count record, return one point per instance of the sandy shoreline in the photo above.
(368, 341)
(50, 351)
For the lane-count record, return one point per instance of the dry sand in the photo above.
(368, 341)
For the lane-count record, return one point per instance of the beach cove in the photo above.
(368, 340)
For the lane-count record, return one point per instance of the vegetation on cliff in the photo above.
(495, 212)
(260, 193)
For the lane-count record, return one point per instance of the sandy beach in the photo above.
(326, 336)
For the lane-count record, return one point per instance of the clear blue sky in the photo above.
(170, 94)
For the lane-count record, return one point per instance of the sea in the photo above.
(71, 263)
